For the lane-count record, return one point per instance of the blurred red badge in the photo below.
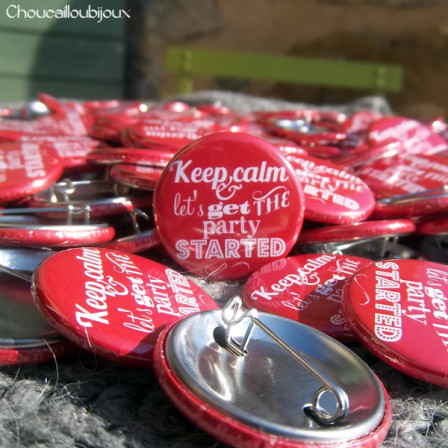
(114, 303)
(307, 289)
(26, 168)
(398, 309)
(417, 138)
(405, 173)
(227, 204)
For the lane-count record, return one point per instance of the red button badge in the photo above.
(332, 195)
(405, 173)
(398, 309)
(114, 303)
(26, 168)
(417, 138)
(227, 204)
(307, 289)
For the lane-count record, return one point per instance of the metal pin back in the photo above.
(251, 379)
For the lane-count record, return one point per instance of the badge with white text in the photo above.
(307, 289)
(332, 195)
(227, 204)
(398, 309)
(114, 303)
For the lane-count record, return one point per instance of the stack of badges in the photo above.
(332, 225)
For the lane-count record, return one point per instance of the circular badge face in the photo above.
(417, 138)
(398, 309)
(71, 150)
(227, 204)
(26, 168)
(404, 174)
(173, 135)
(305, 288)
(360, 121)
(332, 195)
(113, 303)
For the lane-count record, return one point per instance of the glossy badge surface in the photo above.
(307, 289)
(227, 204)
(398, 309)
(113, 303)
(285, 385)
(332, 195)
(26, 168)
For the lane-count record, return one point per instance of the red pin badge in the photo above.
(235, 374)
(416, 137)
(398, 309)
(113, 303)
(360, 121)
(171, 134)
(26, 168)
(332, 195)
(405, 174)
(227, 204)
(307, 289)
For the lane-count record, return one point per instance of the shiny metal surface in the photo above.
(21, 323)
(23, 259)
(267, 389)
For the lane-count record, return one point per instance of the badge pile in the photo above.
(335, 226)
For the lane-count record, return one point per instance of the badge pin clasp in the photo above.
(234, 313)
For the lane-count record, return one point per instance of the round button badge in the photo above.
(332, 195)
(405, 174)
(417, 138)
(113, 303)
(27, 168)
(227, 204)
(398, 309)
(307, 289)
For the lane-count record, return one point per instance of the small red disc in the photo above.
(307, 289)
(27, 168)
(417, 138)
(332, 195)
(113, 303)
